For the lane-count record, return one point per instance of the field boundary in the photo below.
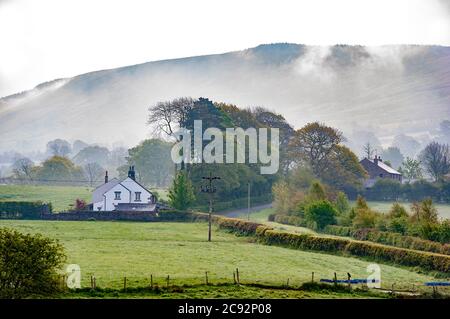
(400, 256)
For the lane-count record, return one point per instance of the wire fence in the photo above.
(158, 281)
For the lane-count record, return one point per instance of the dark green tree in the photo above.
(320, 213)
(181, 194)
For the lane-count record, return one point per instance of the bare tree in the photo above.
(368, 150)
(23, 168)
(436, 160)
(93, 172)
(168, 116)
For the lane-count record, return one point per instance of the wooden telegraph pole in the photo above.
(210, 189)
(248, 200)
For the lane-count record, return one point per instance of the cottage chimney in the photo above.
(106, 177)
(131, 173)
(375, 160)
(379, 159)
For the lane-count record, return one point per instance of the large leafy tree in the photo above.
(58, 168)
(92, 154)
(59, 147)
(343, 170)
(320, 147)
(181, 194)
(152, 162)
(315, 144)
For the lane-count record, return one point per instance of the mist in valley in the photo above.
(370, 93)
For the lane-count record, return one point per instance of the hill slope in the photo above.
(389, 89)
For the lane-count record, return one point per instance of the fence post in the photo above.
(234, 277)
(237, 275)
(168, 280)
(206, 278)
(95, 283)
(151, 281)
(124, 283)
(287, 283)
(312, 277)
(348, 278)
(335, 279)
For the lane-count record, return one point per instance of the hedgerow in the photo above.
(400, 256)
(389, 238)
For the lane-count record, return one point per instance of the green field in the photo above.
(61, 197)
(114, 250)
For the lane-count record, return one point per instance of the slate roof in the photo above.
(97, 195)
(387, 168)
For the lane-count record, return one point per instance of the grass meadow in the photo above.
(113, 250)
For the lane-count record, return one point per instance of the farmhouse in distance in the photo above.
(125, 195)
(377, 169)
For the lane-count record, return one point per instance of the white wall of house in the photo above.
(145, 196)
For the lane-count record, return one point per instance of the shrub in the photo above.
(28, 264)
(364, 218)
(361, 203)
(80, 204)
(397, 211)
(321, 212)
(342, 204)
(398, 225)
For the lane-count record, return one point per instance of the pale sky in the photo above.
(47, 39)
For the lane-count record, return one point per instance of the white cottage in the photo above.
(125, 195)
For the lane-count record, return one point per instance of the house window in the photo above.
(117, 195)
(138, 196)
(381, 175)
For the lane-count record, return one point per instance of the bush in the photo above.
(28, 264)
(24, 210)
(364, 218)
(321, 212)
(398, 225)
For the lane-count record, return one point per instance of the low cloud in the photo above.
(446, 5)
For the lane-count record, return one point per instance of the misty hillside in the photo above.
(389, 90)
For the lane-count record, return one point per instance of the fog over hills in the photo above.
(387, 90)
